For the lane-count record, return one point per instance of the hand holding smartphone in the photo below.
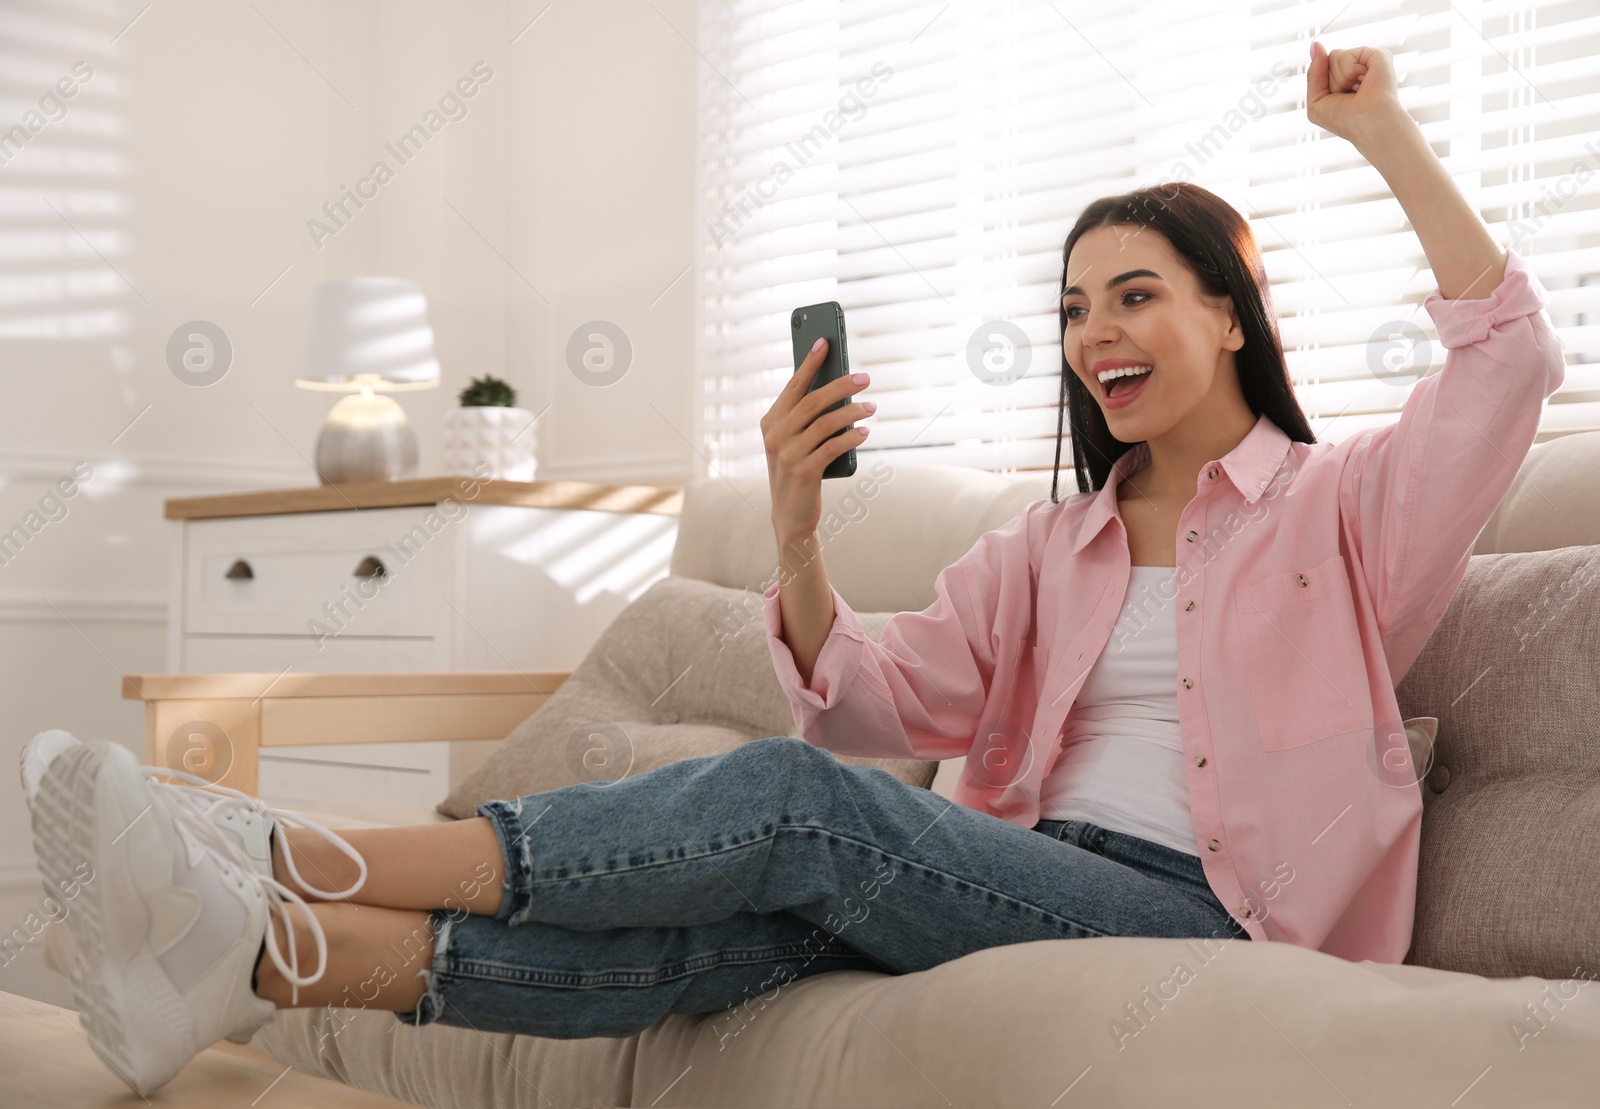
(807, 432)
(807, 439)
(807, 325)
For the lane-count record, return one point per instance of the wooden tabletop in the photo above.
(464, 683)
(659, 500)
(45, 1060)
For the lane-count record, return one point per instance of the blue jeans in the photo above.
(705, 884)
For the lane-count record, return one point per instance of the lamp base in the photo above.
(366, 437)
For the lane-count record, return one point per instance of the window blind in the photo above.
(922, 163)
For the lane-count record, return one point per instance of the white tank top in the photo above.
(1122, 766)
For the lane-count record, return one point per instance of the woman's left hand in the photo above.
(1352, 93)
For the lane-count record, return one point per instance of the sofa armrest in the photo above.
(215, 725)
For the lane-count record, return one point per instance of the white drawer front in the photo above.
(304, 576)
(403, 773)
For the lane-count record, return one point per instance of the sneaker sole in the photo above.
(132, 1016)
(37, 756)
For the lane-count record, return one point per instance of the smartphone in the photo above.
(807, 325)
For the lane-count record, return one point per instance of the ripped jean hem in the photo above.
(431, 1004)
(516, 852)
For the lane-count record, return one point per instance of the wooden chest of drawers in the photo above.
(433, 574)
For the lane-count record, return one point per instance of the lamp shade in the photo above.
(369, 326)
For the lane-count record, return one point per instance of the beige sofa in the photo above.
(1494, 1006)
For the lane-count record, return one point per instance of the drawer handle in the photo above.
(240, 571)
(371, 567)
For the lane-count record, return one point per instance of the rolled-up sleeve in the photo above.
(920, 690)
(836, 663)
(1421, 489)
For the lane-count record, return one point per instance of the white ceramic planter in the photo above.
(501, 439)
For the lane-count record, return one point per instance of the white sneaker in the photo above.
(170, 919)
(37, 756)
(244, 818)
(250, 823)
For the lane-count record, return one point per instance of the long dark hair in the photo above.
(1218, 246)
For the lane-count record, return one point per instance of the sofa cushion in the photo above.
(885, 532)
(1509, 874)
(1117, 1020)
(682, 672)
(1552, 502)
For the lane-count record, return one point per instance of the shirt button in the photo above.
(1212, 473)
(1201, 761)
(1188, 606)
(1301, 578)
(1191, 536)
(1213, 845)
(1246, 912)
(1187, 684)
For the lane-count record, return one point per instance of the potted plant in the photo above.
(490, 432)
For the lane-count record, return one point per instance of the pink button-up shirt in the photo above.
(1308, 579)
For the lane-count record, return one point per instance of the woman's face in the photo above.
(1131, 298)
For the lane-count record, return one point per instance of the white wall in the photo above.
(601, 157)
(184, 173)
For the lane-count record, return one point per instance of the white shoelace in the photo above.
(197, 801)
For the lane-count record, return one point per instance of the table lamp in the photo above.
(367, 336)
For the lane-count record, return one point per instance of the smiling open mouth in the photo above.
(1125, 383)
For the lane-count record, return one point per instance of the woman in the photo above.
(1257, 800)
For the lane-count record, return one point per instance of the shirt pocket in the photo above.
(1302, 656)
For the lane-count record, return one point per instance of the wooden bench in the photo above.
(215, 725)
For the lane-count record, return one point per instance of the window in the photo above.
(922, 163)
